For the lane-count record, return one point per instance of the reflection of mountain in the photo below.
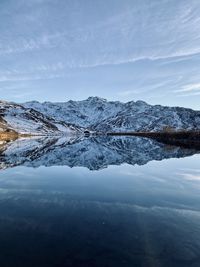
(93, 153)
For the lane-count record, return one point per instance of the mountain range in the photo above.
(94, 114)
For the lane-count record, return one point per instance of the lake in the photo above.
(99, 202)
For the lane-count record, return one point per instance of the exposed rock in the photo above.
(101, 115)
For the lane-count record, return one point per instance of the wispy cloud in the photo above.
(38, 72)
(121, 38)
(190, 94)
(149, 40)
(26, 77)
(190, 88)
(126, 93)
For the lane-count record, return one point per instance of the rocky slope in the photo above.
(95, 114)
(101, 115)
(24, 120)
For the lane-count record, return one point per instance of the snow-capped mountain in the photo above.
(101, 115)
(84, 113)
(93, 153)
(95, 114)
(27, 120)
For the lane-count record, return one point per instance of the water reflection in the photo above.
(126, 215)
(93, 153)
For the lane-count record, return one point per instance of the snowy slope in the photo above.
(95, 114)
(83, 113)
(28, 120)
(101, 115)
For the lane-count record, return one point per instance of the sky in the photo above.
(57, 50)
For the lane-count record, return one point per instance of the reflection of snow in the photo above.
(93, 153)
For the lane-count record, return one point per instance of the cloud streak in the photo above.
(115, 49)
(123, 37)
(190, 88)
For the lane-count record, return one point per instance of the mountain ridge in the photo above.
(101, 115)
(99, 99)
(97, 115)
(17, 118)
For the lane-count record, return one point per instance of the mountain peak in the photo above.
(141, 103)
(97, 114)
(96, 98)
(100, 115)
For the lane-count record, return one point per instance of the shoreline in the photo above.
(186, 139)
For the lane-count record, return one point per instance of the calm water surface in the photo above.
(103, 212)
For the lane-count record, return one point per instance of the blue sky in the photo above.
(56, 50)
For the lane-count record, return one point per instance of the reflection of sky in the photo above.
(148, 185)
(120, 50)
(123, 214)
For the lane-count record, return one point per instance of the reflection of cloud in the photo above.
(190, 176)
(190, 170)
